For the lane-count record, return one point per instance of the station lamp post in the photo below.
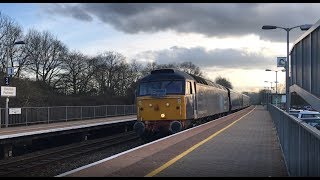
(276, 83)
(270, 84)
(7, 71)
(303, 28)
(266, 95)
(269, 94)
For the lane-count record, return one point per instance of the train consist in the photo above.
(170, 100)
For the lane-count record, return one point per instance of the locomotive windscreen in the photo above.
(165, 87)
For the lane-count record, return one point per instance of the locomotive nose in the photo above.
(175, 126)
(139, 128)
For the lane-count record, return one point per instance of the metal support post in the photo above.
(48, 114)
(81, 113)
(7, 112)
(276, 89)
(7, 99)
(287, 74)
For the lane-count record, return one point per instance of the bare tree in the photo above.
(122, 79)
(45, 55)
(148, 68)
(76, 73)
(190, 68)
(10, 32)
(135, 70)
(224, 82)
(133, 75)
(107, 67)
(20, 61)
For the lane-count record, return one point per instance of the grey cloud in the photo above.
(220, 58)
(209, 19)
(73, 10)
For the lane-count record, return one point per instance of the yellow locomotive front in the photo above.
(158, 113)
(161, 103)
(165, 108)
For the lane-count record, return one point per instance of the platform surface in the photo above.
(19, 131)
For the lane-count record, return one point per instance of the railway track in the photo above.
(37, 159)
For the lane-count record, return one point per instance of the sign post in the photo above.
(281, 62)
(7, 91)
(9, 72)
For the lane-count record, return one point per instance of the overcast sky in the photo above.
(223, 39)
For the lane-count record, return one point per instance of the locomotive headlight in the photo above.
(179, 101)
(167, 104)
(150, 105)
(162, 115)
(140, 103)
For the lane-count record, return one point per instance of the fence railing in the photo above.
(35, 115)
(300, 143)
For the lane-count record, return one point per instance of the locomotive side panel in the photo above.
(211, 100)
(235, 100)
(225, 98)
(201, 101)
(189, 100)
(246, 101)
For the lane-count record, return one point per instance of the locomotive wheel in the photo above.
(139, 128)
(175, 126)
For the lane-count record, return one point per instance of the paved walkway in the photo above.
(248, 148)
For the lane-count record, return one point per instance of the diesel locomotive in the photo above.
(169, 100)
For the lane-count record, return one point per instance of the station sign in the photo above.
(281, 61)
(14, 110)
(7, 91)
(10, 70)
(6, 80)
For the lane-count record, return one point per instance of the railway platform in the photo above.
(13, 135)
(240, 144)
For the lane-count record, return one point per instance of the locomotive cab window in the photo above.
(168, 87)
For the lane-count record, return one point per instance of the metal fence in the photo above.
(300, 143)
(35, 115)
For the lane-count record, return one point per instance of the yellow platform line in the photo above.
(169, 163)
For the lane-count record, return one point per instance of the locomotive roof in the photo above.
(171, 74)
(168, 74)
